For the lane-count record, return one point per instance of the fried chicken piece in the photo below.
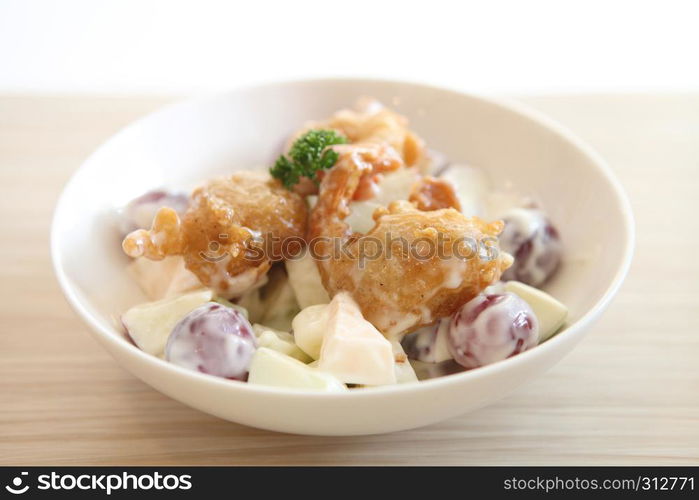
(370, 123)
(231, 233)
(414, 266)
(430, 193)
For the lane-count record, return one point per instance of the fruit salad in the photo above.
(360, 258)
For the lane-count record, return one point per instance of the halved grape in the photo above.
(213, 339)
(534, 243)
(490, 328)
(139, 213)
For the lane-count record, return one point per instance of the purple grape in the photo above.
(490, 328)
(139, 213)
(534, 243)
(213, 339)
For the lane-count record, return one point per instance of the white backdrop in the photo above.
(485, 46)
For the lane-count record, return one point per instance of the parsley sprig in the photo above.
(308, 155)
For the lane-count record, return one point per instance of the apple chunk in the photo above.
(149, 325)
(304, 279)
(279, 341)
(550, 312)
(161, 279)
(353, 349)
(404, 370)
(347, 345)
(270, 367)
(309, 328)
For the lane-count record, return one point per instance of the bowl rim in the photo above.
(576, 329)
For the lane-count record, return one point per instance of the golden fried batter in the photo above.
(430, 193)
(230, 234)
(371, 122)
(414, 266)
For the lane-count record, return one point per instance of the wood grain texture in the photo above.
(628, 394)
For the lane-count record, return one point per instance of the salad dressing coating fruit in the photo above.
(228, 224)
(400, 289)
(491, 328)
(270, 367)
(550, 312)
(534, 243)
(213, 339)
(149, 325)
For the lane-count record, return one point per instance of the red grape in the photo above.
(213, 339)
(490, 328)
(534, 243)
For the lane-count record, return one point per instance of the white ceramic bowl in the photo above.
(193, 140)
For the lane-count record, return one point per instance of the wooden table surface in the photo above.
(629, 394)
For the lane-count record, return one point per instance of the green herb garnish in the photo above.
(308, 155)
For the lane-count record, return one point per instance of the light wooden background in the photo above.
(629, 394)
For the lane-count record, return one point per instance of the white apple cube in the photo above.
(304, 279)
(150, 324)
(160, 279)
(273, 368)
(279, 341)
(353, 349)
(309, 327)
(550, 312)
